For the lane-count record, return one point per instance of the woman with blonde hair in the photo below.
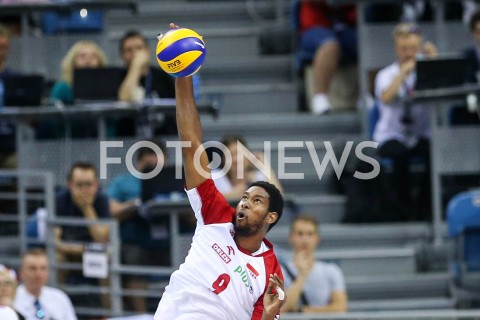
(83, 54)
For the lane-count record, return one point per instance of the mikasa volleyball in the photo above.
(180, 52)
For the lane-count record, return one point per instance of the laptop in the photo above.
(97, 84)
(441, 72)
(164, 186)
(23, 90)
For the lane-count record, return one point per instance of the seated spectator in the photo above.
(403, 131)
(140, 246)
(83, 54)
(142, 81)
(233, 184)
(8, 158)
(8, 287)
(81, 198)
(327, 34)
(312, 286)
(34, 299)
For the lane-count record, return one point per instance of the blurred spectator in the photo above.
(139, 247)
(8, 158)
(83, 54)
(138, 84)
(327, 35)
(234, 183)
(142, 81)
(312, 286)
(81, 199)
(8, 287)
(403, 131)
(35, 300)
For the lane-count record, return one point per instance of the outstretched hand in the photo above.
(271, 300)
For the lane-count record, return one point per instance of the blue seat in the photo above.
(463, 219)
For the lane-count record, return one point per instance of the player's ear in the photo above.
(272, 217)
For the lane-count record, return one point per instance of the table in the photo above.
(454, 150)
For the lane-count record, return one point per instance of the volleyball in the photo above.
(180, 52)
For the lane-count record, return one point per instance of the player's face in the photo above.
(407, 47)
(252, 211)
(304, 236)
(87, 58)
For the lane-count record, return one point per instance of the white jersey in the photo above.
(218, 279)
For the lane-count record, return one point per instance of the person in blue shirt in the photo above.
(138, 245)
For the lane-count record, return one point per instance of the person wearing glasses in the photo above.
(82, 198)
(8, 287)
(402, 133)
(34, 299)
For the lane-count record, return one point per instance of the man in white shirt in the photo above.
(402, 133)
(231, 271)
(34, 300)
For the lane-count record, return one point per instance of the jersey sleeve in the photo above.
(209, 204)
(271, 266)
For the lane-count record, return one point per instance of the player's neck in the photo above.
(250, 243)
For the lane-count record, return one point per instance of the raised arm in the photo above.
(190, 130)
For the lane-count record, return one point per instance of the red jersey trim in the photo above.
(214, 209)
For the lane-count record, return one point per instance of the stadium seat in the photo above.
(463, 218)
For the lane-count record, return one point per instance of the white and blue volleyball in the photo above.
(180, 52)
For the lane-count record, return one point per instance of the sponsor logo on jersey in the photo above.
(221, 253)
(253, 272)
(243, 275)
(230, 250)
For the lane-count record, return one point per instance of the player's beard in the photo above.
(248, 228)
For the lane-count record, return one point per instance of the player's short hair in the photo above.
(275, 201)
